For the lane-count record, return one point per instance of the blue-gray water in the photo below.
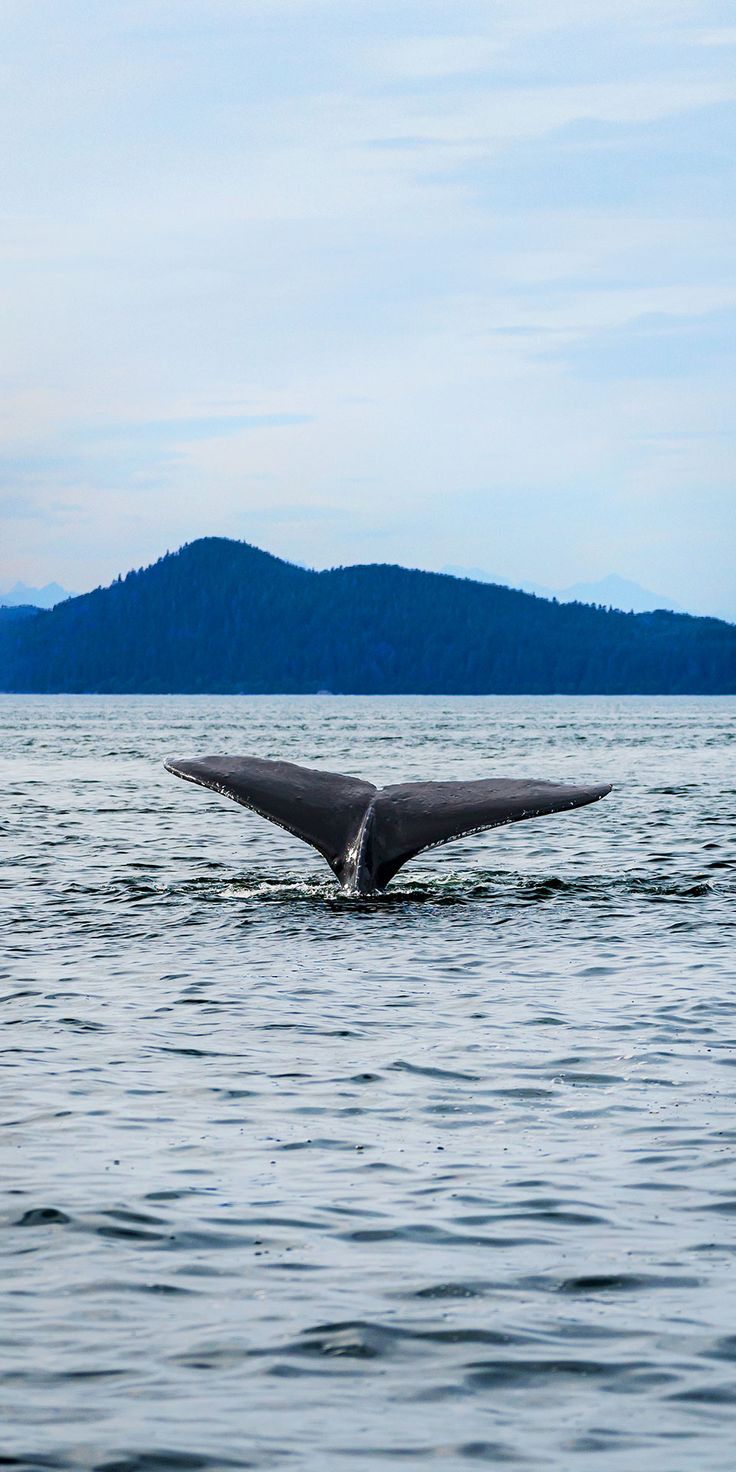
(292, 1180)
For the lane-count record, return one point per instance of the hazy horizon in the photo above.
(431, 284)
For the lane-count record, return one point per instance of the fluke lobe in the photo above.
(364, 832)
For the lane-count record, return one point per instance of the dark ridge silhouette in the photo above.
(220, 616)
(10, 611)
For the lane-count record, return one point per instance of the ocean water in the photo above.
(445, 1178)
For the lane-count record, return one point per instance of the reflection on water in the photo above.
(445, 1175)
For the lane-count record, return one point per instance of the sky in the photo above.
(430, 281)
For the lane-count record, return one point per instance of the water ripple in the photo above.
(298, 1180)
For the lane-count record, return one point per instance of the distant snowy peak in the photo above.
(46, 597)
(612, 591)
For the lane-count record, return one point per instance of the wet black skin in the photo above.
(365, 832)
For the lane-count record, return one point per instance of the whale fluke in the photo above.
(366, 833)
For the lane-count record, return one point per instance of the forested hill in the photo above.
(222, 616)
(10, 611)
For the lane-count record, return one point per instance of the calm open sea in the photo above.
(443, 1178)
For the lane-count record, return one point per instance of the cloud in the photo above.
(657, 345)
(25, 508)
(364, 276)
(657, 165)
(430, 58)
(724, 36)
(163, 432)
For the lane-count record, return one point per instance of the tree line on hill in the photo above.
(220, 616)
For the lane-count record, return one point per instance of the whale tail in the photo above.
(366, 833)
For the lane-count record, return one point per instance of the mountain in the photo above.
(222, 616)
(612, 591)
(46, 597)
(9, 612)
(617, 592)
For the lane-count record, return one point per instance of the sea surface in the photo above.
(445, 1178)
